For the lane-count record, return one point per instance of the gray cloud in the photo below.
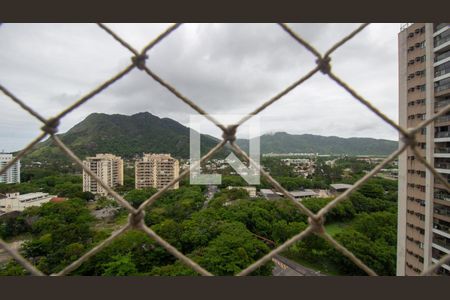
(225, 68)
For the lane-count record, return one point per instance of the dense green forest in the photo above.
(224, 237)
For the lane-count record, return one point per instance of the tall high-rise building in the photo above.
(108, 167)
(156, 170)
(12, 175)
(424, 203)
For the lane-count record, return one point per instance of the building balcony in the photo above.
(441, 58)
(435, 261)
(441, 103)
(442, 43)
(441, 227)
(440, 26)
(442, 171)
(442, 242)
(442, 89)
(442, 134)
(442, 165)
(442, 210)
(442, 119)
(439, 75)
(442, 195)
(442, 251)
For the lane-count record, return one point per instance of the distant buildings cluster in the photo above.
(151, 171)
(12, 175)
(301, 166)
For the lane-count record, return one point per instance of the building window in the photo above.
(420, 58)
(420, 45)
(421, 87)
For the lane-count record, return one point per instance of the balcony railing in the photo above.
(443, 134)
(443, 103)
(442, 211)
(442, 243)
(442, 196)
(441, 72)
(443, 119)
(442, 150)
(440, 26)
(441, 41)
(442, 165)
(442, 87)
(441, 227)
(441, 56)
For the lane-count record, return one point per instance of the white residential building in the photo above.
(12, 175)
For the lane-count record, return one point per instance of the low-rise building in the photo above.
(269, 194)
(18, 202)
(303, 194)
(338, 188)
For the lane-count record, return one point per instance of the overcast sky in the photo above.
(225, 68)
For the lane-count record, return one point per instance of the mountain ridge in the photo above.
(131, 135)
(283, 142)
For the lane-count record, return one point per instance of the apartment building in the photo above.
(108, 167)
(156, 170)
(12, 175)
(424, 203)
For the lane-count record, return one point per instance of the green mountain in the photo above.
(128, 136)
(124, 136)
(282, 142)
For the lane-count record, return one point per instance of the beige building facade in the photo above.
(424, 203)
(108, 167)
(156, 171)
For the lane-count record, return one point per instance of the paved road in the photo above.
(287, 267)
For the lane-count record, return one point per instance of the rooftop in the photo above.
(305, 193)
(341, 186)
(267, 191)
(29, 196)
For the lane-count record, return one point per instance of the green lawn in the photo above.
(335, 228)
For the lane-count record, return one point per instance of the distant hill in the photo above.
(282, 142)
(128, 136)
(124, 136)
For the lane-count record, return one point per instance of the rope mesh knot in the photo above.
(229, 134)
(324, 64)
(139, 60)
(316, 224)
(51, 126)
(409, 139)
(136, 220)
